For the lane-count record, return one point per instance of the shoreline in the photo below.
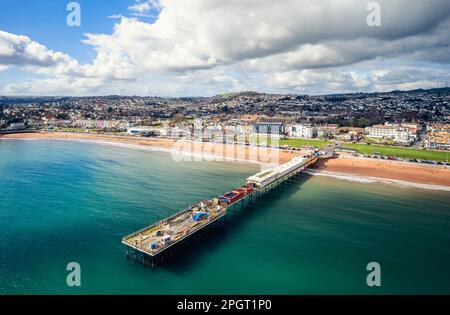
(364, 179)
(426, 176)
(386, 170)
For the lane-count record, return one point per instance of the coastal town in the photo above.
(419, 119)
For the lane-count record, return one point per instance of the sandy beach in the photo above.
(383, 169)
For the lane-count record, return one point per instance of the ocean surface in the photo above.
(68, 201)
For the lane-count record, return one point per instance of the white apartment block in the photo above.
(303, 131)
(380, 132)
(402, 135)
(392, 132)
(17, 126)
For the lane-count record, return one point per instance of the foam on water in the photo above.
(370, 179)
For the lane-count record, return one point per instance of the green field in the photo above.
(295, 143)
(399, 152)
(78, 130)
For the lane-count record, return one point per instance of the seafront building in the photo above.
(144, 131)
(101, 124)
(304, 131)
(394, 132)
(437, 140)
(16, 126)
(327, 130)
(438, 128)
(267, 127)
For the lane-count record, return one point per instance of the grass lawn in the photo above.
(79, 130)
(400, 152)
(295, 143)
(304, 142)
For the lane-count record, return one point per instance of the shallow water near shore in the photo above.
(64, 201)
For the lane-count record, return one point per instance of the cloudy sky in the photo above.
(207, 47)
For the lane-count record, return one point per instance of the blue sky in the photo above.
(206, 47)
(45, 22)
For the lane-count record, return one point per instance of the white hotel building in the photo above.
(391, 132)
(302, 131)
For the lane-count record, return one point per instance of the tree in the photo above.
(62, 116)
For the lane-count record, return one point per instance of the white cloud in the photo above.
(208, 46)
(142, 7)
(21, 50)
(202, 34)
(115, 16)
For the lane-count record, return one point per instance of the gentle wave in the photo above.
(370, 180)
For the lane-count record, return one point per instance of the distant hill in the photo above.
(219, 97)
(432, 91)
(231, 95)
(237, 94)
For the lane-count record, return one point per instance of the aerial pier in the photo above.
(147, 244)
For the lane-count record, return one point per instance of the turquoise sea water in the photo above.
(70, 201)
